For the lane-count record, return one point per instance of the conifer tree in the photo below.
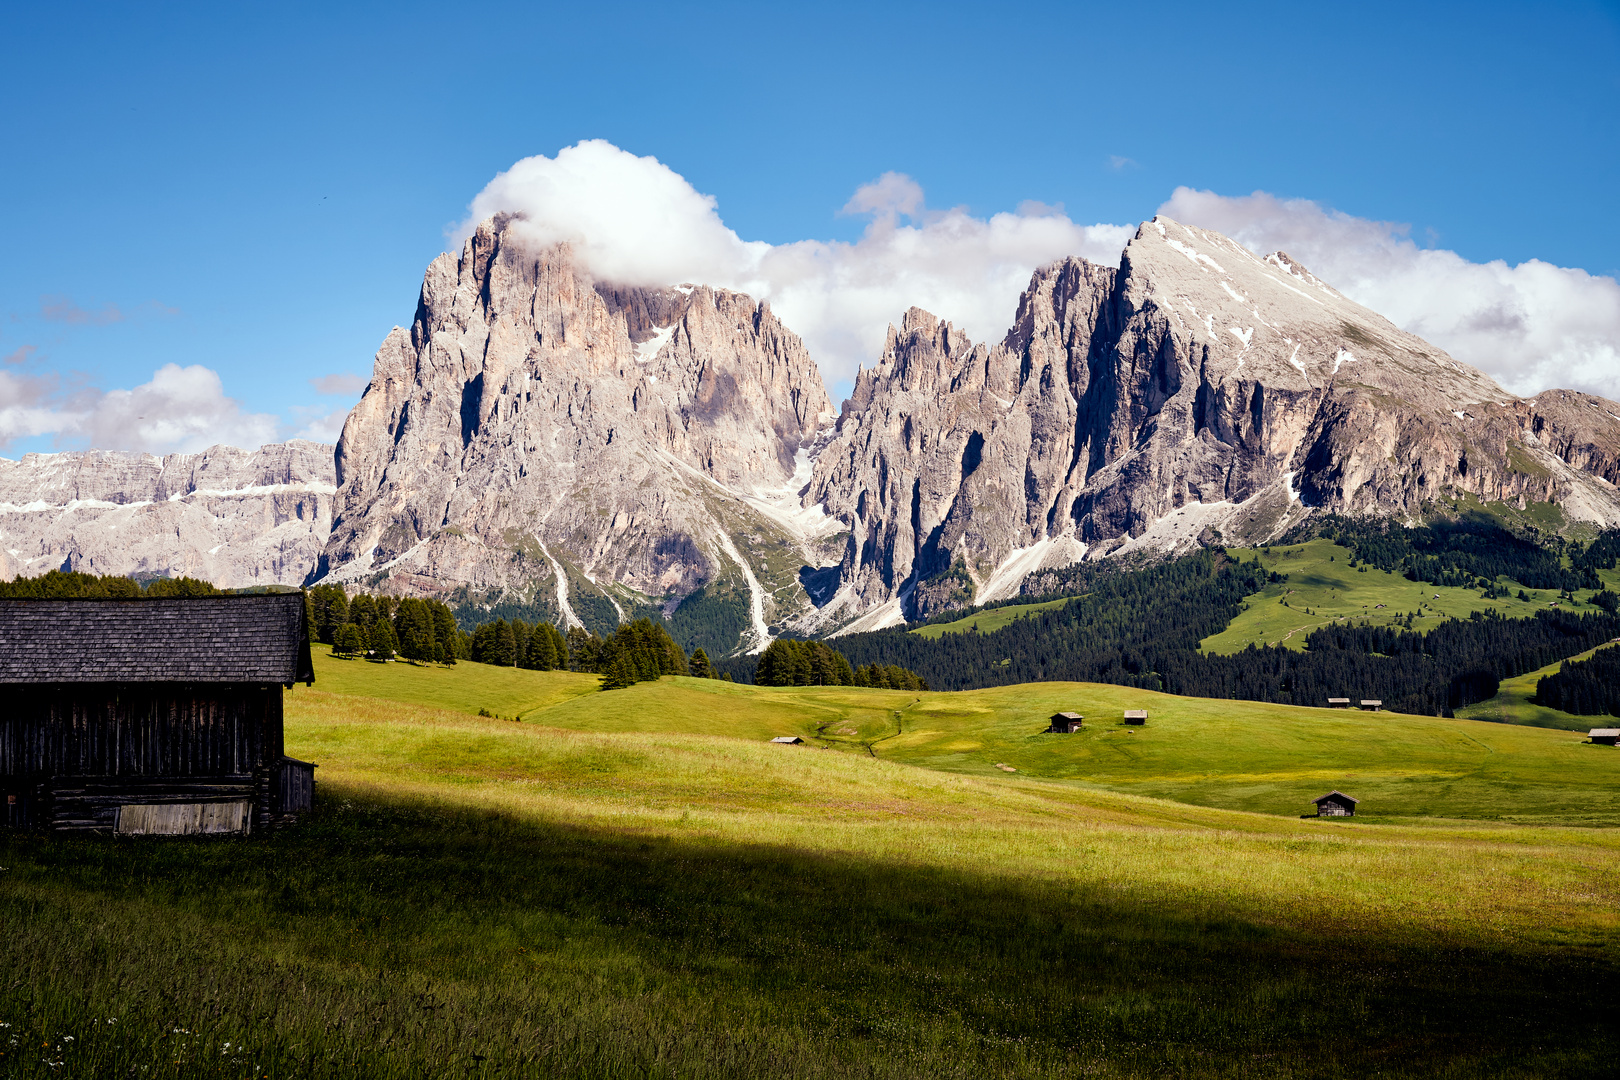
(384, 643)
(542, 655)
(347, 641)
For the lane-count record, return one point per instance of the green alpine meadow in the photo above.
(639, 883)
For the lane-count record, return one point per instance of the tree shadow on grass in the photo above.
(382, 940)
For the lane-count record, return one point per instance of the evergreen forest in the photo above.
(1142, 628)
(72, 584)
(1586, 687)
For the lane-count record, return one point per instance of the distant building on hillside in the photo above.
(151, 716)
(1066, 723)
(1371, 704)
(1136, 716)
(1335, 804)
(788, 740)
(1338, 703)
(1606, 736)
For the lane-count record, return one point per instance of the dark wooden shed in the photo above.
(1338, 703)
(151, 716)
(1335, 804)
(1605, 736)
(1136, 716)
(1372, 704)
(1066, 723)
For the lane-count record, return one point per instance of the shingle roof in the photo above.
(1331, 794)
(214, 639)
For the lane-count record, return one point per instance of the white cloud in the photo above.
(183, 409)
(635, 221)
(26, 407)
(632, 220)
(1530, 326)
(318, 426)
(339, 385)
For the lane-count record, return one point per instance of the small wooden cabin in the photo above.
(1335, 804)
(1066, 723)
(1606, 736)
(1372, 704)
(788, 740)
(1136, 716)
(151, 716)
(1338, 703)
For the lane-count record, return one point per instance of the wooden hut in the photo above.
(788, 740)
(1338, 703)
(1335, 804)
(1066, 723)
(1606, 736)
(151, 716)
(1371, 704)
(1136, 716)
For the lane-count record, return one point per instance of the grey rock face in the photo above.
(537, 436)
(233, 517)
(1199, 390)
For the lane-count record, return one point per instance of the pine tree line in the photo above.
(72, 585)
(791, 662)
(382, 627)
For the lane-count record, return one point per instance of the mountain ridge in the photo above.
(591, 451)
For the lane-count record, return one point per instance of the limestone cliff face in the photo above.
(538, 435)
(233, 517)
(1198, 390)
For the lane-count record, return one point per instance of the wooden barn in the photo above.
(788, 740)
(1335, 804)
(151, 716)
(1136, 716)
(1066, 723)
(1372, 704)
(1605, 736)
(1338, 703)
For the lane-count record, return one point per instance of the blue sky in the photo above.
(257, 189)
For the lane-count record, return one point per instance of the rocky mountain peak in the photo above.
(569, 444)
(1199, 390)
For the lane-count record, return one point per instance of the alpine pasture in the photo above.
(636, 883)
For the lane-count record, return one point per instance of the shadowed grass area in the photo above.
(477, 897)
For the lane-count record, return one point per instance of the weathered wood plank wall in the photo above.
(73, 753)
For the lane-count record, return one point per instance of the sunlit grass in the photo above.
(987, 621)
(1323, 588)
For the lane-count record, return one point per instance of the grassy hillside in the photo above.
(479, 897)
(1241, 755)
(466, 687)
(986, 621)
(1322, 587)
(1514, 703)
